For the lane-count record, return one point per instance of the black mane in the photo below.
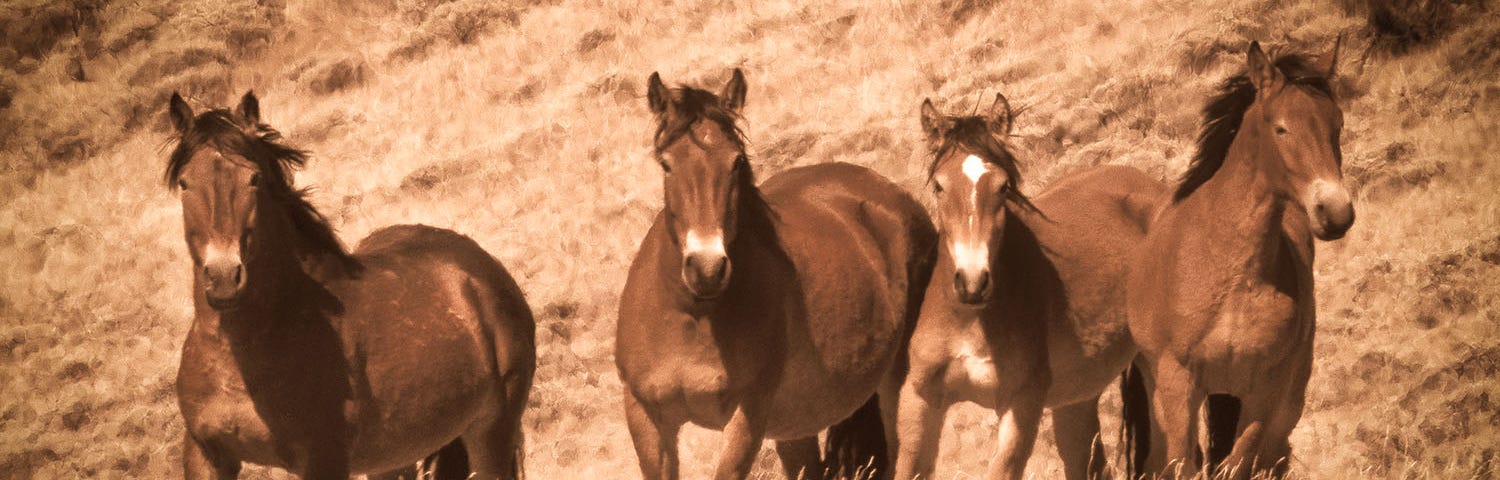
(259, 143)
(1223, 114)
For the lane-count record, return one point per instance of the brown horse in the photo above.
(769, 311)
(1221, 294)
(305, 357)
(1032, 317)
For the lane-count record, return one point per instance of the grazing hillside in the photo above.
(524, 125)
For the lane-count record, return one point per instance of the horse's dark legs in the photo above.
(1076, 428)
(199, 464)
(655, 441)
(325, 463)
(495, 448)
(742, 437)
(800, 458)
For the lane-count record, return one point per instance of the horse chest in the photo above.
(1254, 320)
(972, 372)
(223, 415)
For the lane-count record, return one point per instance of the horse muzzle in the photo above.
(1332, 211)
(972, 286)
(706, 274)
(223, 282)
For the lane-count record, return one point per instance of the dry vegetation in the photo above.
(524, 126)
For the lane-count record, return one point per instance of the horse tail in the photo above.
(1223, 421)
(856, 447)
(1135, 423)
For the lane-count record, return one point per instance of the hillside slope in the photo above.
(524, 125)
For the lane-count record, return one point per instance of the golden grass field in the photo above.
(525, 126)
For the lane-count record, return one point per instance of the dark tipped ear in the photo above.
(933, 122)
(733, 95)
(182, 114)
(1263, 74)
(1330, 61)
(249, 109)
(657, 94)
(1001, 118)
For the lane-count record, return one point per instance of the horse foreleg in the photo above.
(800, 458)
(742, 438)
(1076, 428)
(655, 440)
(199, 464)
(1018, 428)
(919, 422)
(1175, 403)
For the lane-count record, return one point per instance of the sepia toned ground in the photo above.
(524, 125)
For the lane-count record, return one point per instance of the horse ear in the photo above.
(249, 108)
(657, 94)
(1330, 61)
(933, 122)
(1263, 73)
(1001, 117)
(182, 114)
(733, 95)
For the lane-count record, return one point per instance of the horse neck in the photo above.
(1244, 201)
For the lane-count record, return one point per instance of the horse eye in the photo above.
(937, 187)
(1280, 130)
(665, 168)
(255, 179)
(182, 184)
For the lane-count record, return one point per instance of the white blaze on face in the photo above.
(972, 254)
(215, 253)
(695, 243)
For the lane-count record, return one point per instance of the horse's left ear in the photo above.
(249, 109)
(733, 95)
(1329, 62)
(1001, 117)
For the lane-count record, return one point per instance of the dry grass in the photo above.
(524, 126)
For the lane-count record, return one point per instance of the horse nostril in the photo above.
(239, 274)
(958, 283)
(984, 281)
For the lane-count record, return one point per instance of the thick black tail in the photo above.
(1223, 423)
(450, 463)
(856, 446)
(1135, 421)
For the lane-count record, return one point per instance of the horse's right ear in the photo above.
(1263, 74)
(933, 122)
(657, 94)
(182, 114)
(1001, 117)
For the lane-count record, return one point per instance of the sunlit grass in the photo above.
(525, 127)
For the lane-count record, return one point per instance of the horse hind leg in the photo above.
(800, 458)
(1076, 428)
(495, 446)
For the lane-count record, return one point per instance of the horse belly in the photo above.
(422, 393)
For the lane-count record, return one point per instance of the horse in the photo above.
(310, 358)
(1221, 293)
(1032, 317)
(766, 311)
